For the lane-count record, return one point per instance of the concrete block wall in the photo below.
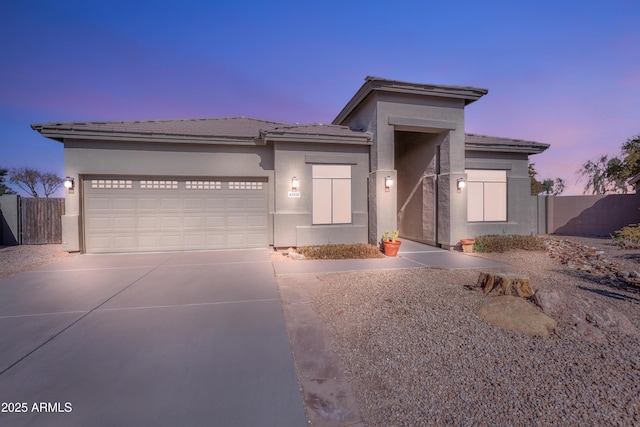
(9, 211)
(591, 216)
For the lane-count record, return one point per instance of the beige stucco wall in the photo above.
(383, 112)
(293, 216)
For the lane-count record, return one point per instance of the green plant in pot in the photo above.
(390, 244)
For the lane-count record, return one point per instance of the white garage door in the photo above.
(165, 214)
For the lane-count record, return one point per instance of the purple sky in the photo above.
(565, 72)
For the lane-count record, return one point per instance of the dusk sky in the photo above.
(566, 73)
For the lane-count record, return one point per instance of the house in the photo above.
(395, 157)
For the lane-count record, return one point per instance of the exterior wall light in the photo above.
(388, 182)
(461, 183)
(294, 184)
(68, 183)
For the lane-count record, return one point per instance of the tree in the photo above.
(548, 186)
(553, 187)
(536, 186)
(631, 152)
(610, 175)
(29, 179)
(4, 189)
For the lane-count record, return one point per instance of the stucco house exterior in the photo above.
(396, 157)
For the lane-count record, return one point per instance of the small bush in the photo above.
(504, 243)
(355, 251)
(628, 237)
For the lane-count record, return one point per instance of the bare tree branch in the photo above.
(50, 183)
(28, 179)
(25, 178)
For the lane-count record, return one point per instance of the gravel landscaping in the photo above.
(416, 353)
(16, 259)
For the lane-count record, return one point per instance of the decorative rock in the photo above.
(590, 317)
(516, 314)
(505, 284)
(589, 260)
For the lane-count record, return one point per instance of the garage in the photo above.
(123, 214)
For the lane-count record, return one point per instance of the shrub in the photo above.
(503, 243)
(628, 237)
(355, 251)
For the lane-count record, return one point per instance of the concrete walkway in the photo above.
(410, 255)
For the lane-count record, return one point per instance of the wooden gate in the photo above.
(41, 221)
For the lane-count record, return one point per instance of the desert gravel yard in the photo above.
(15, 259)
(415, 352)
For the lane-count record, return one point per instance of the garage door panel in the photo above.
(125, 223)
(256, 221)
(236, 203)
(214, 222)
(171, 223)
(194, 204)
(100, 243)
(236, 221)
(215, 204)
(195, 241)
(124, 204)
(148, 223)
(149, 242)
(173, 204)
(257, 237)
(256, 203)
(216, 241)
(148, 204)
(179, 216)
(98, 204)
(193, 222)
(171, 241)
(124, 243)
(99, 223)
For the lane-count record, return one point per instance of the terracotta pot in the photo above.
(467, 245)
(391, 248)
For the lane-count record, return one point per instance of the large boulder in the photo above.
(516, 314)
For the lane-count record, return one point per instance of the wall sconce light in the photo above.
(388, 182)
(294, 184)
(68, 183)
(461, 183)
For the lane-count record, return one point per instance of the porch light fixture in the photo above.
(388, 182)
(461, 183)
(68, 183)
(294, 184)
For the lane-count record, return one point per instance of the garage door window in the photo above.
(111, 183)
(160, 185)
(331, 194)
(203, 185)
(245, 185)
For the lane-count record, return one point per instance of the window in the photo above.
(245, 185)
(166, 185)
(111, 183)
(203, 185)
(487, 195)
(331, 194)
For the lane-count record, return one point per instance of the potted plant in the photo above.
(467, 245)
(390, 245)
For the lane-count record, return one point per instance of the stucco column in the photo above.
(71, 217)
(383, 204)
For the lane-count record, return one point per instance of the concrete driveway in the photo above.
(147, 339)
